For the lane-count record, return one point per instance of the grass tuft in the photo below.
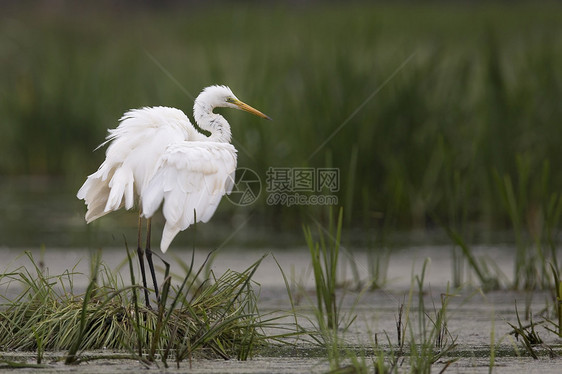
(220, 319)
(324, 255)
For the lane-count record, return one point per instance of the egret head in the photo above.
(222, 96)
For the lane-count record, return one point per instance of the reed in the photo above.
(324, 254)
(463, 104)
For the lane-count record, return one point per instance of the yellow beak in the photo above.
(249, 109)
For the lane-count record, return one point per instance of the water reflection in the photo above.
(38, 211)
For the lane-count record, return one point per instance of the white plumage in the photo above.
(156, 157)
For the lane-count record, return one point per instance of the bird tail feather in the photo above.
(169, 233)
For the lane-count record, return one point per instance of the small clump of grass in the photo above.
(218, 318)
(432, 341)
(324, 250)
(557, 301)
(534, 213)
(529, 336)
(435, 341)
(489, 280)
(324, 255)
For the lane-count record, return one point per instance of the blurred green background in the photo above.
(446, 107)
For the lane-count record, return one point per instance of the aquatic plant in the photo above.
(460, 108)
(218, 318)
(324, 254)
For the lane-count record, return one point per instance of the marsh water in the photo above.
(472, 315)
(42, 220)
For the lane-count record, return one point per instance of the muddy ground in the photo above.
(472, 315)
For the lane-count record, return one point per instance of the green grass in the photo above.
(324, 254)
(203, 316)
(218, 318)
(463, 132)
(423, 337)
(481, 88)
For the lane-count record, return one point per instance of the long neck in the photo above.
(212, 122)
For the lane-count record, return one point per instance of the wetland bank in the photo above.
(477, 323)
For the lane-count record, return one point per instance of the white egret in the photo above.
(156, 158)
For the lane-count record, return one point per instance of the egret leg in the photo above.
(140, 253)
(149, 258)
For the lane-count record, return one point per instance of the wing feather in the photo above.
(190, 177)
(155, 154)
(133, 150)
